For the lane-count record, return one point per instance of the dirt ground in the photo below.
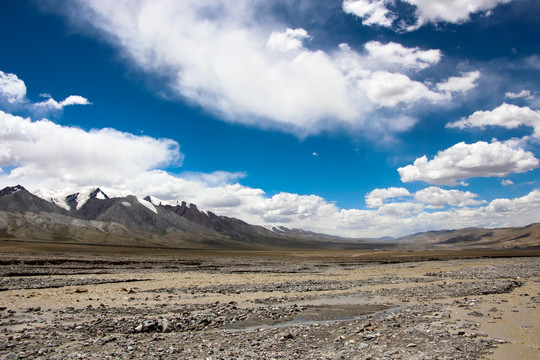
(132, 304)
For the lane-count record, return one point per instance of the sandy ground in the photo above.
(474, 308)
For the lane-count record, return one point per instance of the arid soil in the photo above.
(302, 305)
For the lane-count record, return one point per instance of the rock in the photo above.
(165, 325)
(33, 309)
(475, 313)
(107, 339)
(285, 337)
(339, 338)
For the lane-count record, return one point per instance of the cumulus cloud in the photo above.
(463, 161)
(288, 208)
(395, 53)
(388, 89)
(376, 198)
(507, 115)
(383, 12)
(289, 40)
(459, 83)
(372, 12)
(50, 103)
(12, 89)
(451, 11)
(400, 209)
(497, 213)
(523, 94)
(436, 197)
(76, 157)
(261, 73)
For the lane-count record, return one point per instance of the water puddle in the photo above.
(325, 310)
(337, 300)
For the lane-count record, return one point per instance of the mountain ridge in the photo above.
(92, 215)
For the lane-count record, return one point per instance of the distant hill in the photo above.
(94, 216)
(513, 237)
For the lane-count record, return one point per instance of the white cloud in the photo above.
(372, 12)
(517, 207)
(214, 178)
(398, 221)
(523, 94)
(388, 89)
(437, 197)
(12, 89)
(381, 12)
(70, 100)
(507, 115)
(463, 161)
(290, 208)
(398, 54)
(76, 157)
(451, 11)
(289, 40)
(400, 210)
(459, 83)
(506, 182)
(74, 100)
(229, 64)
(376, 197)
(254, 72)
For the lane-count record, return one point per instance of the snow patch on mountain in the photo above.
(65, 197)
(147, 204)
(157, 202)
(280, 229)
(85, 194)
(57, 197)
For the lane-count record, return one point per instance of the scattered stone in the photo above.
(475, 313)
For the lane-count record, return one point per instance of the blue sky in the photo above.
(358, 118)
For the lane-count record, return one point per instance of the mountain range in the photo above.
(93, 216)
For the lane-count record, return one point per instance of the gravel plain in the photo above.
(76, 306)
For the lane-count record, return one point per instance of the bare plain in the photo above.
(84, 302)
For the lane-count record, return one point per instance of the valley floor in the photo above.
(121, 304)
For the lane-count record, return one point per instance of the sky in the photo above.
(358, 118)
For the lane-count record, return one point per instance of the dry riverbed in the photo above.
(254, 306)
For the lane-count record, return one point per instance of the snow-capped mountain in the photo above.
(96, 213)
